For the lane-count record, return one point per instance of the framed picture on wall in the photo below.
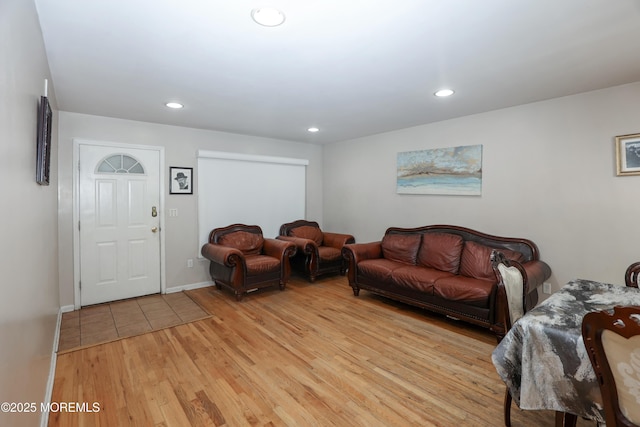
(181, 180)
(450, 170)
(628, 154)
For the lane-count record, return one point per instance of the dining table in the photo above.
(542, 359)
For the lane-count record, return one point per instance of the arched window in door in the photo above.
(120, 163)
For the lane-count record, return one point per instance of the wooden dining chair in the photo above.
(612, 341)
(511, 294)
(632, 275)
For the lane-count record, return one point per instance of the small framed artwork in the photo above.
(628, 154)
(181, 180)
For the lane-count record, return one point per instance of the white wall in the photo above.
(28, 218)
(548, 175)
(181, 145)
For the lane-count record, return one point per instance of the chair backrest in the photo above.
(246, 238)
(632, 275)
(612, 341)
(304, 229)
(511, 280)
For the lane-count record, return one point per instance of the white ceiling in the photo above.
(350, 67)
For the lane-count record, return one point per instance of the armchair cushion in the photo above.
(247, 243)
(308, 232)
(261, 264)
(327, 253)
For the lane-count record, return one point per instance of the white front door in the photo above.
(119, 203)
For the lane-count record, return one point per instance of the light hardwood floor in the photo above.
(312, 355)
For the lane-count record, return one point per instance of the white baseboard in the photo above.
(188, 287)
(67, 308)
(44, 417)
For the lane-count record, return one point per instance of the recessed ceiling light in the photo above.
(175, 105)
(444, 92)
(313, 129)
(268, 16)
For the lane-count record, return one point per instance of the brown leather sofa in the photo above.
(443, 268)
(319, 252)
(243, 260)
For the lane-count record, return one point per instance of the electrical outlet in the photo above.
(190, 263)
(546, 288)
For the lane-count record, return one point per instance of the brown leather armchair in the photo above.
(243, 260)
(318, 252)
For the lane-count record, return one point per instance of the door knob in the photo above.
(154, 229)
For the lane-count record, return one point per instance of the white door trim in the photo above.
(76, 209)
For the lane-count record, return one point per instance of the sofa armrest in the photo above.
(337, 240)
(356, 252)
(280, 249)
(536, 273)
(224, 255)
(306, 246)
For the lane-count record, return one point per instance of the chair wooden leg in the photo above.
(507, 408)
(564, 419)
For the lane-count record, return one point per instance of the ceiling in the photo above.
(350, 67)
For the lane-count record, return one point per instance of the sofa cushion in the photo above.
(417, 277)
(247, 243)
(441, 251)
(401, 247)
(469, 290)
(308, 232)
(378, 269)
(475, 260)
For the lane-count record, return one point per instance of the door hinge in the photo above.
(80, 284)
(78, 225)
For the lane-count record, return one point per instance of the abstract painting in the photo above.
(452, 171)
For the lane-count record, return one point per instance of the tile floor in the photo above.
(107, 322)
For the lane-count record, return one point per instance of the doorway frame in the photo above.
(77, 142)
